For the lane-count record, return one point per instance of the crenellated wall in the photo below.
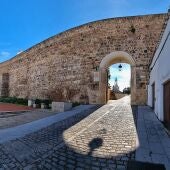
(69, 59)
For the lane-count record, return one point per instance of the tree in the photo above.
(127, 90)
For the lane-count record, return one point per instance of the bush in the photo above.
(22, 101)
(75, 104)
(14, 100)
(38, 101)
(46, 102)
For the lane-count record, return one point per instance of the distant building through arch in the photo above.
(112, 58)
(115, 87)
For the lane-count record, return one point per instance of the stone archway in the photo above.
(112, 58)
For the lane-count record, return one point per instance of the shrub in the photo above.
(75, 104)
(22, 101)
(46, 101)
(38, 101)
(14, 100)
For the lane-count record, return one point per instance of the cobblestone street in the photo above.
(12, 119)
(105, 139)
(100, 139)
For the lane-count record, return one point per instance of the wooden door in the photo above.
(153, 96)
(167, 103)
(107, 87)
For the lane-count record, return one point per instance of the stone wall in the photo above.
(69, 59)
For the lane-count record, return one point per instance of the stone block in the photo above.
(31, 102)
(44, 106)
(36, 105)
(61, 106)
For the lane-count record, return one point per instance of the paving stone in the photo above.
(19, 118)
(154, 146)
(105, 139)
(159, 158)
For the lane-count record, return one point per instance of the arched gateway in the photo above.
(68, 62)
(108, 60)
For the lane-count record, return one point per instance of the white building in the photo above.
(159, 83)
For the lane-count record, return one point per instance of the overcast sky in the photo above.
(25, 23)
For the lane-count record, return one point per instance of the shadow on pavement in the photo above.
(48, 149)
(94, 144)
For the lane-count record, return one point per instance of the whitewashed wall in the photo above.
(160, 72)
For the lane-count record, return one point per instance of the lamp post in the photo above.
(120, 67)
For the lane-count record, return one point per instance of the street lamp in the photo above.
(120, 67)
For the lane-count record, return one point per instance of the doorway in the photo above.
(167, 103)
(119, 81)
(107, 61)
(153, 96)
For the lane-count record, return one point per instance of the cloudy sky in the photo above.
(25, 23)
(123, 77)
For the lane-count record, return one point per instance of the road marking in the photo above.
(71, 138)
(66, 142)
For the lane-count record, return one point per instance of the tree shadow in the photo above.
(94, 144)
(89, 153)
(49, 149)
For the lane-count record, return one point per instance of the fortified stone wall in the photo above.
(66, 62)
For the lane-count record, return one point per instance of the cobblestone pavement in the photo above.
(8, 120)
(154, 142)
(105, 139)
